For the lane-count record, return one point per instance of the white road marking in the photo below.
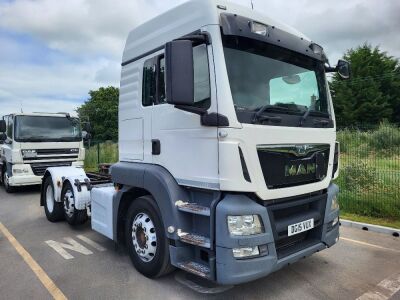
(384, 290)
(369, 245)
(91, 243)
(73, 245)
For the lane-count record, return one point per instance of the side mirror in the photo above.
(179, 72)
(343, 69)
(86, 135)
(3, 138)
(87, 127)
(3, 126)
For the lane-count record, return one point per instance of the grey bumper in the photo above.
(230, 270)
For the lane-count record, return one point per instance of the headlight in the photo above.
(335, 203)
(335, 221)
(245, 252)
(245, 225)
(20, 170)
(29, 153)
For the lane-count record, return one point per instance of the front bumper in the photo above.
(28, 177)
(230, 270)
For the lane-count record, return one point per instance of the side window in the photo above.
(10, 127)
(162, 98)
(202, 91)
(154, 91)
(149, 88)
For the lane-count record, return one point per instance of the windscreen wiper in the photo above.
(304, 117)
(258, 115)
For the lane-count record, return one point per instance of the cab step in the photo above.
(195, 268)
(194, 239)
(193, 208)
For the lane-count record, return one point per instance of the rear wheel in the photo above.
(6, 182)
(72, 215)
(54, 210)
(145, 238)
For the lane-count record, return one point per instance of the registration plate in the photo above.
(300, 227)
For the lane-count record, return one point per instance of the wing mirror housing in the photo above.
(342, 68)
(3, 126)
(86, 136)
(179, 71)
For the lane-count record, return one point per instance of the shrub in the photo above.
(385, 138)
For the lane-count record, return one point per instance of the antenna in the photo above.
(252, 4)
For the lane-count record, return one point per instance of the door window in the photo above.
(154, 90)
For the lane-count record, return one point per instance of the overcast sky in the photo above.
(53, 52)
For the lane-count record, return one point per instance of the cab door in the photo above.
(188, 150)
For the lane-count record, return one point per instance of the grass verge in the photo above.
(371, 220)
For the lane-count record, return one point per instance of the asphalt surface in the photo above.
(350, 269)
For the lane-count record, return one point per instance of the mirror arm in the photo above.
(197, 38)
(329, 69)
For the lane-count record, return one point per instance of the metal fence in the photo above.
(370, 170)
(100, 152)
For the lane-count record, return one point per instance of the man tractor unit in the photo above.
(227, 148)
(31, 143)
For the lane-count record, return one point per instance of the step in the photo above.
(194, 239)
(193, 208)
(195, 268)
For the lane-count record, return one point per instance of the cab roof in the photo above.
(188, 18)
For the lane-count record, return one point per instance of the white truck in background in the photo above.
(227, 148)
(33, 142)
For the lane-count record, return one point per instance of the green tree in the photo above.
(373, 93)
(101, 109)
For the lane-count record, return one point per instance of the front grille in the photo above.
(39, 168)
(293, 211)
(56, 151)
(292, 165)
(48, 154)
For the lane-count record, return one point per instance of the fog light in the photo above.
(259, 28)
(335, 221)
(335, 203)
(245, 252)
(245, 225)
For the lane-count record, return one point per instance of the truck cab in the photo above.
(227, 148)
(30, 143)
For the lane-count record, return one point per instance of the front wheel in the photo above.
(72, 215)
(54, 210)
(6, 182)
(145, 238)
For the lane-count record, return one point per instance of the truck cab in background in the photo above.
(30, 143)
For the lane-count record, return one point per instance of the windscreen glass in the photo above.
(43, 129)
(273, 79)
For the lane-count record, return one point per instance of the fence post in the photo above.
(98, 154)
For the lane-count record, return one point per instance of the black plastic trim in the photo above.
(246, 174)
(142, 56)
(233, 24)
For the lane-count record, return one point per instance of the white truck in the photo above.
(227, 148)
(31, 143)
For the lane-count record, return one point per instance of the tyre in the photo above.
(54, 210)
(6, 182)
(145, 238)
(71, 214)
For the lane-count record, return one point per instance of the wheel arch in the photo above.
(140, 179)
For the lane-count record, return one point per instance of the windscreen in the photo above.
(266, 76)
(45, 129)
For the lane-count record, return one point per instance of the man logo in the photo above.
(301, 169)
